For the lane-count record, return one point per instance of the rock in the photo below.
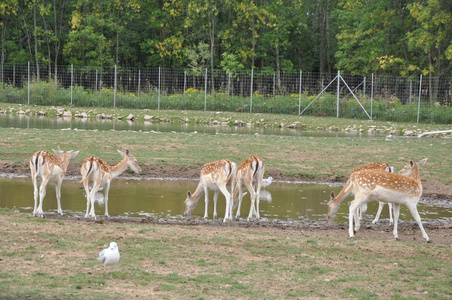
(130, 117)
(67, 114)
(21, 112)
(148, 118)
(41, 113)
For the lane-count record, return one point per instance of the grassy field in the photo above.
(47, 258)
(56, 258)
(295, 156)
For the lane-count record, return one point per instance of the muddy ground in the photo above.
(439, 232)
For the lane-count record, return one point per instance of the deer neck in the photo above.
(119, 168)
(64, 162)
(198, 192)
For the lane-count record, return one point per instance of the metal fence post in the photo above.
(205, 92)
(372, 97)
(139, 81)
(251, 92)
(419, 98)
(299, 95)
(28, 93)
(72, 81)
(114, 91)
(338, 92)
(158, 93)
(185, 84)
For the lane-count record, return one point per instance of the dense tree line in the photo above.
(394, 37)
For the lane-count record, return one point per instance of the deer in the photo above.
(49, 168)
(403, 188)
(335, 201)
(249, 174)
(216, 176)
(99, 174)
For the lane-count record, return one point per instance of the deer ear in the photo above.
(411, 164)
(332, 195)
(128, 153)
(74, 154)
(422, 162)
(122, 153)
(58, 153)
(189, 194)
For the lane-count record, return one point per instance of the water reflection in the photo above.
(41, 122)
(165, 199)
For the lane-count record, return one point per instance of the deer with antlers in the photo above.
(403, 188)
(216, 176)
(49, 168)
(99, 174)
(335, 201)
(249, 174)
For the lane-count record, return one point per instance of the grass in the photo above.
(296, 156)
(173, 262)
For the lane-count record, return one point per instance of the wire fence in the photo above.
(389, 98)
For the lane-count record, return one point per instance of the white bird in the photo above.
(109, 256)
(267, 182)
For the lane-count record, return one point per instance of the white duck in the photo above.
(267, 182)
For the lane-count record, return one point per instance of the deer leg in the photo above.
(107, 189)
(215, 199)
(380, 209)
(92, 198)
(257, 196)
(86, 186)
(237, 215)
(42, 194)
(35, 193)
(417, 218)
(253, 199)
(396, 208)
(227, 195)
(391, 220)
(58, 196)
(352, 215)
(206, 201)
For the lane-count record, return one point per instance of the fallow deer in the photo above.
(49, 168)
(250, 174)
(335, 201)
(403, 188)
(215, 176)
(98, 173)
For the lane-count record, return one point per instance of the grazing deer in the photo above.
(215, 176)
(335, 201)
(49, 168)
(98, 173)
(403, 188)
(250, 174)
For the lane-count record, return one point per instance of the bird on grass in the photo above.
(267, 182)
(109, 256)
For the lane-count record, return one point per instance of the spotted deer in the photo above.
(249, 174)
(403, 188)
(49, 168)
(97, 174)
(216, 176)
(335, 201)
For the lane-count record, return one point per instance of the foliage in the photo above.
(357, 36)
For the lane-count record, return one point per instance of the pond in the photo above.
(41, 122)
(158, 198)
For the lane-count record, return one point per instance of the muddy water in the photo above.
(40, 122)
(165, 199)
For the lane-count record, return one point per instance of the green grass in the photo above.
(173, 262)
(296, 156)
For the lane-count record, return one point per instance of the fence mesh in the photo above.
(389, 98)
